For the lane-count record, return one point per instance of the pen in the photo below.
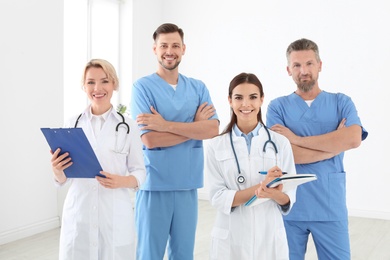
(264, 172)
(249, 202)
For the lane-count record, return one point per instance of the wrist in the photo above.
(60, 179)
(132, 182)
(285, 207)
(169, 127)
(283, 200)
(297, 140)
(59, 176)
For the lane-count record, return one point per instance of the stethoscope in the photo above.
(122, 124)
(240, 178)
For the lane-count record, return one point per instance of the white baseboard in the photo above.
(369, 214)
(36, 228)
(26, 231)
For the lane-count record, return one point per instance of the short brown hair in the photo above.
(168, 28)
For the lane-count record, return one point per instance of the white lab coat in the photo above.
(98, 223)
(246, 232)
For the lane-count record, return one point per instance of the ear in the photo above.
(184, 49)
(320, 66)
(230, 101)
(288, 71)
(154, 48)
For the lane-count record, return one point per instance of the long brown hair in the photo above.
(237, 80)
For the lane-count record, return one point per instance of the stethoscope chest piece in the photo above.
(240, 179)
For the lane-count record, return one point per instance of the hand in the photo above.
(286, 132)
(342, 124)
(263, 191)
(204, 112)
(112, 181)
(59, 163)
(272, 174)
(271, 193)
(153, 121)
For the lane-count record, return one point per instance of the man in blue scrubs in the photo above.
(321, 126)
(175, 113)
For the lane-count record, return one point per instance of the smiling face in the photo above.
(245, 102)
(169, 49)
(99, 89)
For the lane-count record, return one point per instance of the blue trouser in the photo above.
(163, 216)
(331, 239)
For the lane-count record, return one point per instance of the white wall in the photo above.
(148, 14)
(226, 37)
(31, 63)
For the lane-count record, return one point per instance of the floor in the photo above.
(370, 240)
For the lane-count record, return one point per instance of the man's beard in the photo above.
(169, 68)
(306, 86)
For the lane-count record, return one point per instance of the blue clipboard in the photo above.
(74, 141)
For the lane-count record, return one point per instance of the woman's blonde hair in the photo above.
(106, 67)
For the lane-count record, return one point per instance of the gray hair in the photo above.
(303, 45)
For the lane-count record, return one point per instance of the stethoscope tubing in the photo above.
(117, 126)
(123, 123)
(240, 178)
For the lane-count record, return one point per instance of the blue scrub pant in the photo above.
(163, 216)
(331, 239)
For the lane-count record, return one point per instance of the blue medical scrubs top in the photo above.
(325, 198)
(178, 167)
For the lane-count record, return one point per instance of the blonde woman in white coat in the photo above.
(98, 218)
(242, 232)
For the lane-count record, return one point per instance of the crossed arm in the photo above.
(309, 149)
(168, 133)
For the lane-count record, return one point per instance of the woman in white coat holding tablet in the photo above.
(239, 164)
(98, 220)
